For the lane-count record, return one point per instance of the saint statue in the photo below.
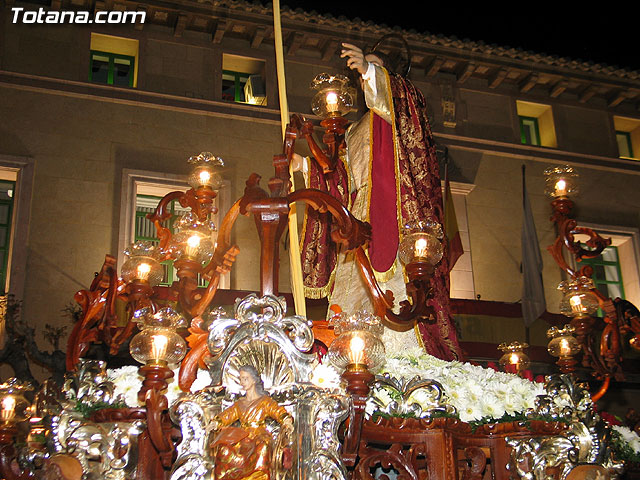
(244, 452)
(389, 177)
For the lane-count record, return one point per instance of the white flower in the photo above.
(325, 376)
(470, 412)
(203, 380)
(629, 436)
(476, 392)
(382, 396)
(491, 406)
(127, 384)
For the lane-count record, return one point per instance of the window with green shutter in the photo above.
(7, 194)
(145, 230)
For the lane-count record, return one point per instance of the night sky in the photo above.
(606, 37)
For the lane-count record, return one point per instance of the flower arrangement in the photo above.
(626, 444)
(478, 394)
(127, 384)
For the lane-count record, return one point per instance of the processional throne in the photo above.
(261, 336)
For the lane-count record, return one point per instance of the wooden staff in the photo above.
(294, 245)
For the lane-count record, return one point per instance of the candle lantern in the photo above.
(421, 247)
(206, 171)
(194, 240)
(14, 408)
(561, 182)
(514, 359)
(334, 98)
(357, 348)
(564, 346)
(157, 346)
(578, 300)
(142, 264)
(158, 342)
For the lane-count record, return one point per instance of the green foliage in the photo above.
(87, 409)
(622, 450)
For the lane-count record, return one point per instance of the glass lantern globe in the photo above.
(158, 342)
(206, 171)
(561, 182)
(142, 264)
(421, 242)
(194, 240)
(357, 344)
(578, 300)
(563, 344)
(334, 98)
(14, 407)
(514, 356)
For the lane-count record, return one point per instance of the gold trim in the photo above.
(321, 292)
(416, 331)
(396, 162)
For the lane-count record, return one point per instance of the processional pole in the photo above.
(294, 245)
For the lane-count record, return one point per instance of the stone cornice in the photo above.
(425, 39)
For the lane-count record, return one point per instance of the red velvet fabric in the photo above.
(383, 214)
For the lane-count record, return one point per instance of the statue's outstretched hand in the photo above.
(355, 58)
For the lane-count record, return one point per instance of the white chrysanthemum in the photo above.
(382, 396)
(629, 436)
(325, 376)
(370, 407)
(203, 380)
(491, 406)
(468, 387)
(471, 412)
(173, 392)
(127, 384)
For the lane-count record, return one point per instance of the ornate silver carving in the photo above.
(405, 390)
(321, 414)
(105, 450)
(582, 450)
(260, 322)
(261, 336)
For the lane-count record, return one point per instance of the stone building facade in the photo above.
(94, 115)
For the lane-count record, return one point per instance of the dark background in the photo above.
(601, 33)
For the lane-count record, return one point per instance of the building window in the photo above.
(616, 271)
(16, 187)
(529, 130)
(625, 148)
(141, 192)
(607, 274)
(233, 84)
(113, 60)
(536, 124)
(145, 230)
(111, 69)
(7, 192)
(243, 80)
(628, 137)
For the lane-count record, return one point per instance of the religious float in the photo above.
(352, 413)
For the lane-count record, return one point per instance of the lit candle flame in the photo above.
(159, 347)
(561, 188)
(193, 242)
(143, 271)
(8, 410)
(565, 347)
(514, 359)
(205, 177)
(421, 248)
(356, 350)
(576, 304)
(332, 102)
